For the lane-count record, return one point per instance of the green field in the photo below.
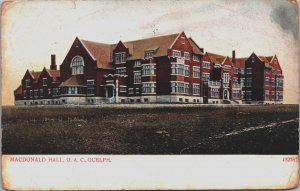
(156, 129)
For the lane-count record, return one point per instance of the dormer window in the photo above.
(77, 65)
(149, 54)
(186, 55)
(182, 40)
(120, 58)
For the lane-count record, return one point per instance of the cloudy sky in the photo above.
(32, 31)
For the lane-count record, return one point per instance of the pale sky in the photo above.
(32, 31)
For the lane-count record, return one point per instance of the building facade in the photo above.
(163, 69)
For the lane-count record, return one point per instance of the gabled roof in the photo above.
(216, 58)
(196, 48)
(137, 48)
(18, 90)
(55, 74)
(240, 62)
(35, 75)
(266, 60)
(76, 80)
(100, 52)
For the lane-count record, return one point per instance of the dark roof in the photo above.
(76, 80)
(100, 52)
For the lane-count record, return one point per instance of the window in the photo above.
(180, 87)
(242, 71)
(186, 70)
(267, 81)
(148, 70)
(205, 77)
(122, 88)
(137, 90)
(24, 93)
(196, 89)
(137, 77)
(49, 91)
(215, 83)
(248, 95)
(215, 92)
(242, 82)
(182, 40)
(31, 94)
(121, 71)
(41, 92)
(236, 70)
(120, 57)
(149, 54)
(205, 64)
(236, 93)
(137, 63)
(36, 93)
(196, 58)
(248, 82)
(226, 78)
(77, 65)
(248, 70)
(130, 91)
(74, 90)
(45, 81)
(196, 71)
(149, 87)
(90, 87)
(55, 92)
(27, 83)
(177, 69)
(176, 54)
(186, 55)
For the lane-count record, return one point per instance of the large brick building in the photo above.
(164, 69)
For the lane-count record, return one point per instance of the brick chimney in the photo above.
(233, 56)
(53, 62)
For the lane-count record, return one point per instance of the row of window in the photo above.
(36, 93)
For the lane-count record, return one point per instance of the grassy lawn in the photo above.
(149, 130)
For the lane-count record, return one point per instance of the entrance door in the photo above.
(205, 92)
(225, 95)
(110, 91)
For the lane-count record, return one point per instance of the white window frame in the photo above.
(148, 86)
(204, 76)
(137, 77)
(205, 64)
(77, 65)
(226, 78)
(196, 58)
(186, 55)
(121, 70)
(215, 92)
(182, 40)
(149, 54)
(122, 88)
(178, 87)
(130, 91)
(149, 69)
(90, 85)
(137, 63)
(176, 54)
(120, 57)
(196, 70)
(196, 89)
(248, 70)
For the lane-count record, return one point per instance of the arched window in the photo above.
(77, 65)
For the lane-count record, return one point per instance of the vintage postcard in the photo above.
(144, 95)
